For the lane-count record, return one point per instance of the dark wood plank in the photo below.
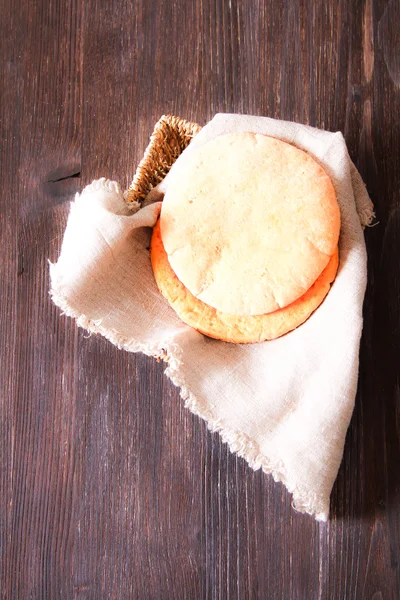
(110, 488)
(9, 272)
(42, 115)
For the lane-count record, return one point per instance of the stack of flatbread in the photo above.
(246, 246)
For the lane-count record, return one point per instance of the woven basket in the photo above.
(170, 137)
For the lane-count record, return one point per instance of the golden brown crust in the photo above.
(234, 328)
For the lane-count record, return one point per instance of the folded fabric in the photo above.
(284, 405)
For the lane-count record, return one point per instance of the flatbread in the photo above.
(249, 223)
(228, 327)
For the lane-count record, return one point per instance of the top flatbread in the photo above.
(249, 223)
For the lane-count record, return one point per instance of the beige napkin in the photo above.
(283, 405)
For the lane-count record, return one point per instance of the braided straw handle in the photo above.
(170, 137)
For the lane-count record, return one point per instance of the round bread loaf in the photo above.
(249, 223)
(231, 327)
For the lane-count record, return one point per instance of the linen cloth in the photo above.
(283, 405)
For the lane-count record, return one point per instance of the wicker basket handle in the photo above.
(170, 137)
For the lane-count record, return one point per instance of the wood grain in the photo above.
(109, 487)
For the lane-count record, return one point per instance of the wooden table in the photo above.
(109, 487)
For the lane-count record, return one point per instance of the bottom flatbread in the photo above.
(235, 328)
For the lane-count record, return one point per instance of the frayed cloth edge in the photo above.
(303, 501)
